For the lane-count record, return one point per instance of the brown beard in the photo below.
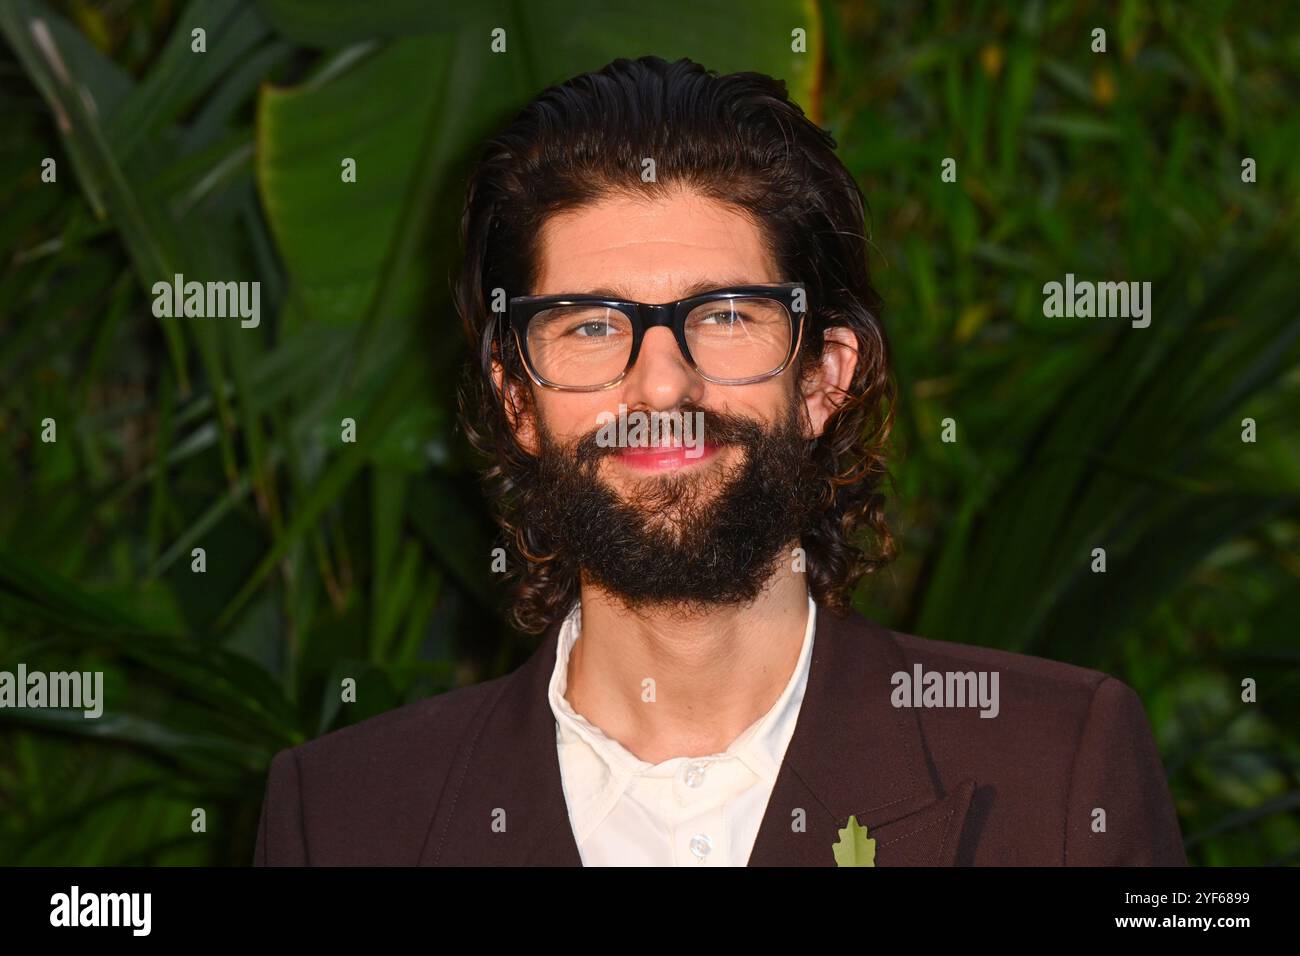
(690, 540)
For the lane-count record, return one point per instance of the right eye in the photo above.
(578, 322)
(592, 328)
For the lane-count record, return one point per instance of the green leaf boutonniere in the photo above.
(854, 847)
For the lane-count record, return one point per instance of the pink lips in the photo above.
(657, 458)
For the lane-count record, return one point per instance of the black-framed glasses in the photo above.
(733, 336)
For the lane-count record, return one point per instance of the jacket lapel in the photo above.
(852, 753)
(504, 804)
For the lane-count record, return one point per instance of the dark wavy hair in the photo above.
(736, 139)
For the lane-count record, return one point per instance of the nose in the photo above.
(661, 379)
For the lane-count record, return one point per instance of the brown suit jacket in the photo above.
(421, 785)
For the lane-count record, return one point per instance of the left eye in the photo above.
(727, 317)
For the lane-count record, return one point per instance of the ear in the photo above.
(825, 389)
(518, 407)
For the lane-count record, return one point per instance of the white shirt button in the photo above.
(695, 774)
(700, 846)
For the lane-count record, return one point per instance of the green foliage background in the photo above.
(371, 559)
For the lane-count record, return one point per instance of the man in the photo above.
(654, 243)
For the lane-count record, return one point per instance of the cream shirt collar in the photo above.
(605, 767)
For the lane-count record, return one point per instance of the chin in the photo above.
(646, 493)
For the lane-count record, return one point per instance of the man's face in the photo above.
(699, 528)
(656, 252)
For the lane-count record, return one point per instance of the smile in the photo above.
(665, 457)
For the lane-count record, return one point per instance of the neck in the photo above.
(714, 672)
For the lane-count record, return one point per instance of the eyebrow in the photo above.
(698, 287)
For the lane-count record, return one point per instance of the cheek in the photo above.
(768, 401)
(571, 416)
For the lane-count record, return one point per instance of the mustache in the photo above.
(715, 427)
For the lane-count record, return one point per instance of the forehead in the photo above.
(651, 250)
